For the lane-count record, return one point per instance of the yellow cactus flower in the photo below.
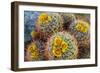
(35, 54)
(32, 49)
(82, 26)
(57, 52)
(57, 41)
(64, 46)
(59, 47)
(33, 33)
(43, 18)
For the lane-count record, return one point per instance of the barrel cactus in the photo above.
(81, 32)
(49, 23)
(32, 52)
(62, 45)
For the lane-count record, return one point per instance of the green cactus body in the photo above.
(68, 19)
(80, 30)
(51, 25)
(62, 46)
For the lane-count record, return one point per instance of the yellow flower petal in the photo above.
(64, 46)
(33, 33)
(35, 54)
(82, 26)
(32, 49)
(56, 52)
(43, 18)
(57, 41)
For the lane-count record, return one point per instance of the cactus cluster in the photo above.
(56, 36)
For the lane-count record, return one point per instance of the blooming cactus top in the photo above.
(62, 46)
